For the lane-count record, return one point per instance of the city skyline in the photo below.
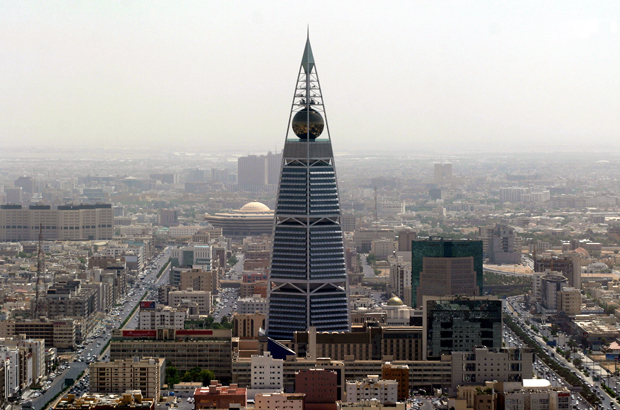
(447, 76)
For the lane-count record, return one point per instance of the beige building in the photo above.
(66, 222)
(482, 364)
(198, 279)
(247, 326)
(162, 317)
(363, 238)
(447, 276)
(281, 401)
(372, 387)
(144, 374)
(394, 342)
(60, 333)
(202, 298)
(184, 349)
(569, 301)
(382, 248)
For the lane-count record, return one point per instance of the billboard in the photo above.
(139, 333)
(194, 332)
(147, 304)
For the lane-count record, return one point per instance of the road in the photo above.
(517, 314)
(99, 337)
(227, 299)
(368, 271)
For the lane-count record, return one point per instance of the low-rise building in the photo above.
(372, 387)
(117, 376)
(399, 373)
(202, 298)
(482, 364)
(280, 401)
(161, 317)
(216, 396)
(130, 400)
(185, 349)
(253, 304)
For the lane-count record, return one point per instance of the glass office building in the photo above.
(440, 248)
(458, 324)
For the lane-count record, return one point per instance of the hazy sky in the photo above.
(402, 75)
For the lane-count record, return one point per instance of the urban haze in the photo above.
(327, 205)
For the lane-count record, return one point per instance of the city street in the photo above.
(91, 350)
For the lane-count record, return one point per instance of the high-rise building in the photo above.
(457, 324)
(27, 184)
(258, 172)
(443, 173)
(504, 245)
(447, 276)
(569, 266)
(439, 248)
(308, 274)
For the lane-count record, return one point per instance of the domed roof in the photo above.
(254, 207)
(395, 301)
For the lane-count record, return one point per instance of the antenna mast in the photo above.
(40, 270)
(376, 211)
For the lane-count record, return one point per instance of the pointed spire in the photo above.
(308, 60)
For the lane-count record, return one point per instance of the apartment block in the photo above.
(160, 317)
(202, 298)
(60, 333)
(253, 304)
(198, 279)
(66, 222)
(372, 387)
(481, 364)
(146, 374)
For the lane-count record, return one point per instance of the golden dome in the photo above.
(395, 301)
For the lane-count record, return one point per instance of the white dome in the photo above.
(254, 207)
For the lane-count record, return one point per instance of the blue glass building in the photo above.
(308, 281)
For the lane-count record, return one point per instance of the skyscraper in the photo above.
(308, 282)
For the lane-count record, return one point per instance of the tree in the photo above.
(577, 362)
(371, 259)
(232, 260)
(172, 376)
(196, 374)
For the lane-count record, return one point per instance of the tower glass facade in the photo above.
(308, 281)
(443, 249)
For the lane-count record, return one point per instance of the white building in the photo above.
(251, 305)
(267, 372)
(372, 387)
(280, 401)
(162, 317)
(10, 355)
(37, 348)
(389, 208)
(182, 231)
